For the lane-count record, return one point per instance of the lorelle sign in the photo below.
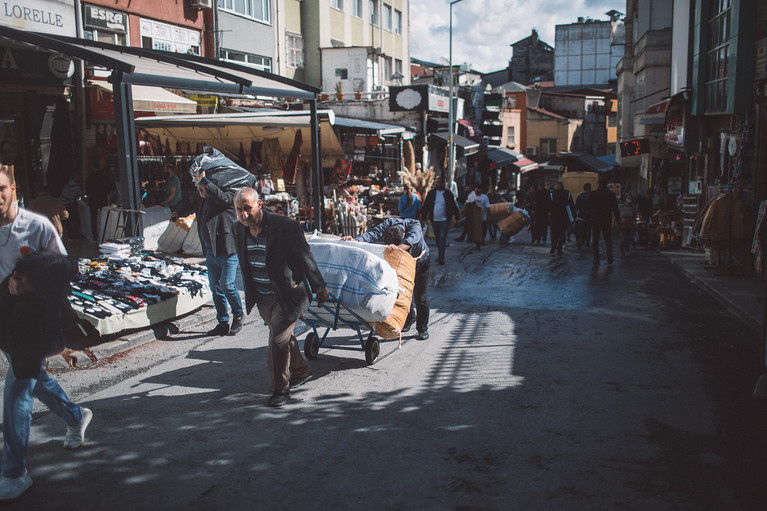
(40, 16)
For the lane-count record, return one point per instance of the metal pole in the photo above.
(451, 144)
(317, 200)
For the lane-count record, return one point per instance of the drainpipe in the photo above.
(80, 95)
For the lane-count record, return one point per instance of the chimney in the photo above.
(580, 19)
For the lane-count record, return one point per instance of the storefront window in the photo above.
(164, 37)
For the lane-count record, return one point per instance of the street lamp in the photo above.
(450, 144)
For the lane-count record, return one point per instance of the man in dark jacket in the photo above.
(583, 217)
(561, 200)
(406, 234)
(215, 216)
(279, 274)
(540, 218)
(604, 206)
(440, 207)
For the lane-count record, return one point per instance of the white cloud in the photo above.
(483, 30)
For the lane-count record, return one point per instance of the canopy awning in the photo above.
(525, 165)
(378, 128)
(154, 99)
(590, 162)
(659, 108)
(467, 146)
(229, 132)
(502, 156)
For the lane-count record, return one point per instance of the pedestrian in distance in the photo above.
(173, 198)
(50, 207)
(583, 217)
(440, 208)
(215, 216)
(409, 203)
(406, 234)
(33, 287)
(561, 200)
(604, 207)
(628, 215)
(99, 187)
(541, 207)
(279, 274)
(461, 202)
(480, 199)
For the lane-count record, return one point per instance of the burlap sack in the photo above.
(499, 210)
(512, 224)
(404, 264)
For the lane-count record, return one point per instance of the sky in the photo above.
(483, 30)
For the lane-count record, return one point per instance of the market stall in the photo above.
(122, 291)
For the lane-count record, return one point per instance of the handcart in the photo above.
(330, 315)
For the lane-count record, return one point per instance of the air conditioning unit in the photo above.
(531, 150)
(201, 4)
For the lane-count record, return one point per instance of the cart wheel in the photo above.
(311, 346)
(372, 349)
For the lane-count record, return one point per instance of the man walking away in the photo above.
(560, 219)
(583, 217)
(440, 207)
(277, 265)
(604, 206)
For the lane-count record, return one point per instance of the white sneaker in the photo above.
(12, 487)
(76, 434)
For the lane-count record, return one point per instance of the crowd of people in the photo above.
(556, 216)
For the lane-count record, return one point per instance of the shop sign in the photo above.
(695, 187)
(205, 99)
(615, 188)
(761, 59)
(20, 66)
(418, 98)
(635, 147)
(99, 17)
(674, 185)
(40, 16)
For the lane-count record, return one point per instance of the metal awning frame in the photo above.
(215, 77)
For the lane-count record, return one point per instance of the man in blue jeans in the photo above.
(27, 378)
(215, 216)
(439, 207)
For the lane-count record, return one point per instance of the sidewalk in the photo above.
(740, 291)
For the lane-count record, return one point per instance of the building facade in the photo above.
(587, 52)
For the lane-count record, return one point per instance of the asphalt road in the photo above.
(547, 384)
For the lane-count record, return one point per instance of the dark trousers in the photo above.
(539, 227)
(606, 230)
(583, 232)
(558, 230)
(419, 307)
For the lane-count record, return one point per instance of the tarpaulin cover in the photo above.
(358, 275)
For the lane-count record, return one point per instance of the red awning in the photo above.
(525, 165)
(659, 108)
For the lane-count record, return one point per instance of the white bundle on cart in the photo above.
(358, 275)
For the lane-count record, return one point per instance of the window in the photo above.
(717, 61)
(164, 37)
(295, 45)
(387, 69)
(248, 59)
(387, 16)
(257, 9)
(357, 8)
(548, 147)
(398, 66)
(105, 36)
(338, 4)
(374, 12)
(510, 136)
(397, 21)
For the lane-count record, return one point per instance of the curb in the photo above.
(83, 358)
(720, 297)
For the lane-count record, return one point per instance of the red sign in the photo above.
(635, 147)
